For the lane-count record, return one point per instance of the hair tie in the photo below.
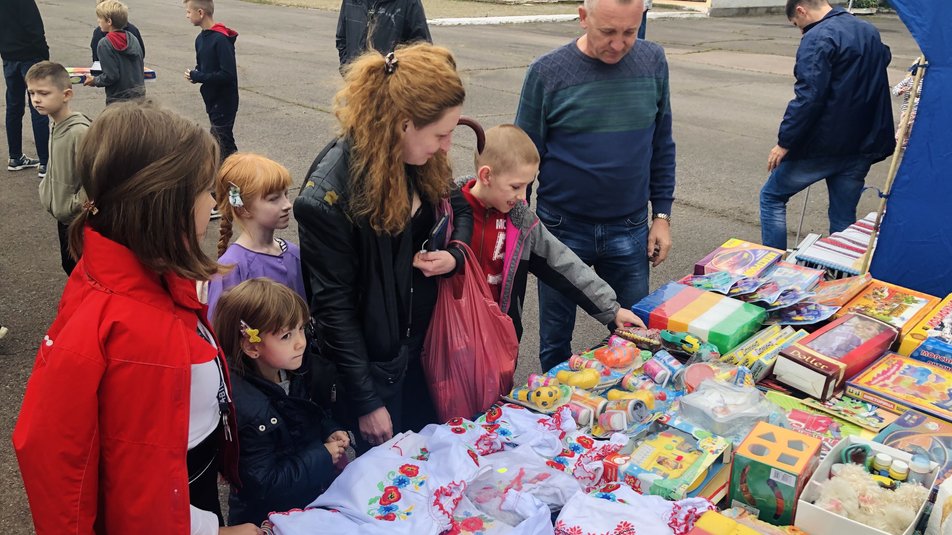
(234, 195)
(390, 63)
(252, 334)
(90, 207)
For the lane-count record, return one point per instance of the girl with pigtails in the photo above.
(252, 193)
(367, 208)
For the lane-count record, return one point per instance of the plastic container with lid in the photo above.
(918, 469)
(899, 470)
(881, 463)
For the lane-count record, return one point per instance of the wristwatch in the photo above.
(662, 215)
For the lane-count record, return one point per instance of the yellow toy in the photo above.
(714, 523)
(544, 397)
(586, 378)
(641, 395)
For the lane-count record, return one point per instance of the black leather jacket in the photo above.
(389, 22)
(359, 281)
(283, 463)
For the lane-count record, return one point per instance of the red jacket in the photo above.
(103, 431)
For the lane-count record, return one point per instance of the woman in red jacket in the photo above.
(127, 415)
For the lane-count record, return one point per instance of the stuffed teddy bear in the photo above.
(853, 493)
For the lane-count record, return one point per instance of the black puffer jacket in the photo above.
(359, 281)
(283, 463)
(389, 23)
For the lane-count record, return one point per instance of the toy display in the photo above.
(900, 307)
(714, 318)
(647, 339)
(759, 352)
(738, 257)
(854, 494)
(689, 346)
(738, 521)
(78, 75)
(937, 325)
(898, 383)
(808, 420)
(542, 393)
(771, 467)
(820, 363)
(917, 433)
(718, 281)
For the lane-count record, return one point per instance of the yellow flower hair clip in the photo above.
(252, 334)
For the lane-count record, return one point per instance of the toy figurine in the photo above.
(544, 397)
(586, 379)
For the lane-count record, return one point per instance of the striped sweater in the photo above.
(603, 132)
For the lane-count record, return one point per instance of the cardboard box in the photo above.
(937, 323)
(817, 521)
(821, 362)
(770, 469)
(917, 433)
(720, 320)
(900, 307)
(897, 383)
(739, 257)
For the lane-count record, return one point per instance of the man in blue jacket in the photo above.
(839, 123)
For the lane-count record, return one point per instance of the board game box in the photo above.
(936, 324)
(739, 257)
(793, 276)
(900, 307)
(914, 432)
(899, 383)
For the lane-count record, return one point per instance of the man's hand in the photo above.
(188, 75)
(777, 154)
(626, 317)
(89, 81)
(433, 263)
(336, 450)
(376, 427)
(659, 241)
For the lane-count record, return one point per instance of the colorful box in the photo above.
(771, 467)
(821, 362)
(669, 458)
(897, 383)
(720, 320)
(739, 257)
(917, 433)
(841, 291)
(788, 275)
(936, 324)
(900, 307)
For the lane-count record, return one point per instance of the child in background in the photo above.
(127, 417)
(60, 191)
(216, 70)
(289, 446)
(510, 243)
(98, 34)
(120, 55)
(252, 192)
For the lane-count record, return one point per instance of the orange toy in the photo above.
(618, 356)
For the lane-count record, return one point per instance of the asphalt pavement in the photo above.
(730, 81)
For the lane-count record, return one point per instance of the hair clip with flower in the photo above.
(234, 195)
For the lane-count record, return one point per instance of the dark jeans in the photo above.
(14, 73)
(222, 126)
(617, 251)
(844, 177)
(66, 260)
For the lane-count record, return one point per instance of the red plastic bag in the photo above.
(469, 356)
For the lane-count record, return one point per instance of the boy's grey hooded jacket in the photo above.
(122, 69)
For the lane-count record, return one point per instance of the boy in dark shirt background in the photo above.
(216, 70)
(98, 34)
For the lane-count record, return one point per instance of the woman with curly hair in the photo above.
(368, 206)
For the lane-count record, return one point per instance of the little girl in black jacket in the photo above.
(290, 449)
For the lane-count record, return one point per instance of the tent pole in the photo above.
(894, 164)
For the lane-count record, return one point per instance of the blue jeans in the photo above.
(844, 177)
(617, 251)
(14, 73)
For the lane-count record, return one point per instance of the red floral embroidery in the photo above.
(409, 470)
(455, 421)
(458, 430)
(611, 487)
(473, 523)
(472, 455)
(389, 517)
(553, 464)
(585, 442)
(567, 453)
(494, 413)
(492, 428)
(390, 495)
